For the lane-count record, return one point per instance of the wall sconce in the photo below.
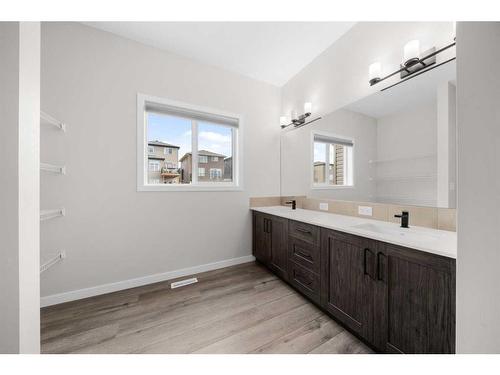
(412, 62)
(298, 120)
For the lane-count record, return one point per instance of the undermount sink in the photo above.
(396, 231)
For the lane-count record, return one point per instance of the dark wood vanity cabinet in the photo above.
(414, 301)
(347, 271)
(398, 300)
(270, 242)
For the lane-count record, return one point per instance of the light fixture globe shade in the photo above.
(411, 53)
(308, 107)
(374, 72)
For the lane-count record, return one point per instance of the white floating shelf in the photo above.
(56, 259)
(49, 120)
(58, 169)
(403, 158)
(51, 214)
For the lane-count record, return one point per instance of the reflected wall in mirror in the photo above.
(395, 146)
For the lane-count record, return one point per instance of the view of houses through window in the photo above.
(169, 151)
(332, 161)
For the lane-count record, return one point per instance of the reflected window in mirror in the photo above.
(332, 164)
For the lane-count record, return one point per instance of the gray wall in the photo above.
(111, 232)
(478, 131)
(19, 187)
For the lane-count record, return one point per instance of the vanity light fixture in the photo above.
(413, 61)
(299, 120)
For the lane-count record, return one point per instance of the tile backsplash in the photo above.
(430, 217)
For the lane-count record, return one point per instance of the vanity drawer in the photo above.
(304, 253)
(304, 280)
(305, 232)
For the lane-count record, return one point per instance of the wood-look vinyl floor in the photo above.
(239, 309)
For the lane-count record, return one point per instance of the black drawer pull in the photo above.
(303, 255)
(379, 273)
(365, 271)
(302, 230)
(299, 275)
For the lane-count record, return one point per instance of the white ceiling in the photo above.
(272, 52)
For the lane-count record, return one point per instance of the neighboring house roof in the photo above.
(318, 163)
(203, 152)
(160, 143)
(228, 158)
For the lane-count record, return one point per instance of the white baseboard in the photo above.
(140, 281)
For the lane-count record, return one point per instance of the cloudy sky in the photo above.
(177, 131)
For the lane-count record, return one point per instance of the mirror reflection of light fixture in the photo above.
(374, 72)
(298, 120)
(411, 53)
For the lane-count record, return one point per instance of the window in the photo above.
(192, 136)
(154, 166)
(215, 173)
(151, 149)
(332, 161)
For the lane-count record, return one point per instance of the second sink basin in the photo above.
(396, 231)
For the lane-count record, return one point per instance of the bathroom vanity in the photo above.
(393, 287)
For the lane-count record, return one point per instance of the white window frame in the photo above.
(215, 158)
(326, 185)
(205, 159)
(152, 149)
(142, 161)
(201, 169)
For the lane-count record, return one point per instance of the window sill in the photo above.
(330, 187)
(190, 188)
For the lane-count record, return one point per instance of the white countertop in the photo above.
(433, 241)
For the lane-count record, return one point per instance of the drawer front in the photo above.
(305, 232)
(304, 281)
(304, 253)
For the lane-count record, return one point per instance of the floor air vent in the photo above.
(178, 284)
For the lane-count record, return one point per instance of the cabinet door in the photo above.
(347, 280)
(262, 237)
(279, 246)
(416, 295)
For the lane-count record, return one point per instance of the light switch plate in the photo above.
(365, 210)
(323, 206)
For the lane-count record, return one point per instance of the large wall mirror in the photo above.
(395, 146)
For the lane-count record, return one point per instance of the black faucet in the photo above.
(293, 203)
(405, 217)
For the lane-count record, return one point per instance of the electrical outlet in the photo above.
(323, 206)
(365, 210)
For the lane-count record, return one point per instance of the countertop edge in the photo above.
(361, 233)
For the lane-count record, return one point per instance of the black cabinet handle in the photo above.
(365, 271)
(298, 229)
(303, 255)
(380, 275)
